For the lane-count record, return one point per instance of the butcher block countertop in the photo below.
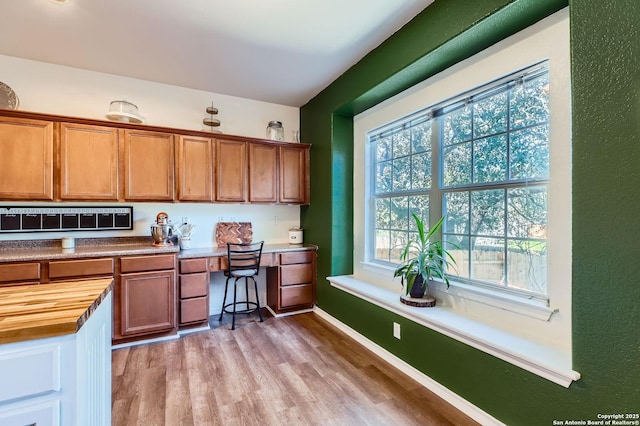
(38, 311)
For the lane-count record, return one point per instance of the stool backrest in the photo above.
(244, 257)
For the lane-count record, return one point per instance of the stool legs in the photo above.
(235, 303)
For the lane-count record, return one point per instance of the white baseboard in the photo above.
(452, 398)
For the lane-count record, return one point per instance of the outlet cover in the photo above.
(396, 330)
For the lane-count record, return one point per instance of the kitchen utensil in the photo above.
(233, 232)
(162, 231)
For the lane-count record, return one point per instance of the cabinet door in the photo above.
(263, 177)
(194, 157)
(148, 166)
(26, 159)
(147, 303)
(231, 171)
(294, 175)
(89, 168)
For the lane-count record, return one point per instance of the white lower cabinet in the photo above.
(62, 380)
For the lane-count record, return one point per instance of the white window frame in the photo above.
(547, 323)
(435, 193)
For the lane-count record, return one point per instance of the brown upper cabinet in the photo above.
(195, 160)
(54, 158)
(89, 166)
(148, 166)
(26, 159)
(294, 175)
(263, 173)
(231, 171)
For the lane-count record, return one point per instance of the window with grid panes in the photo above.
(482, 160)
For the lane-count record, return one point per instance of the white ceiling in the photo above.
(280, 51)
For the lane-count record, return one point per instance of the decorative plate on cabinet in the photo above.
(8, 98)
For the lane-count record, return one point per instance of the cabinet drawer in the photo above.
(147, 263)
(296, 295)
(80, 268)
(296, 274)
(194, 285)
(214, 264)
(189, 266)
(194, 310)
(19, 272)
(296, 257)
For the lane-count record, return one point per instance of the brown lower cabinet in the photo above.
(194, 292)
(145, 297)
(291, 285)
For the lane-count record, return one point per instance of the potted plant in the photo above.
(422, 261)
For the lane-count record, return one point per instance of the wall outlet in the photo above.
(275, 220)
(396, 330)
(185, 219)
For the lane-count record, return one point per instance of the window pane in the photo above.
(420, 206)
(490, 159)
(530, 103)
(383, 148)
(401, 143)
(421, 137)
(457, 126)
(530, 153)
(487, 260)
(527, 265)
(401, 174)
(457, 165)
(398, 242)
(399, 213)
(383, 245)
(527, 212)
(421, 171)
(382, 213)
(490, 115)
(458, 247)
(456, 211)
(487, 212)
(383, 177)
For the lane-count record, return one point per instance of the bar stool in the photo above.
(243, 262)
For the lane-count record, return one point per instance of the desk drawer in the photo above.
(194, 285)
(189, 266)
(194, 310)
(296, 257)
(296, 274)
(80, 268)
(147, 263)
(16, 272)
(296, 295)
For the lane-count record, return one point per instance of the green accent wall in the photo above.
(605, 66)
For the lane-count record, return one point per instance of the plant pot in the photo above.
(419, 288)
(417, 297)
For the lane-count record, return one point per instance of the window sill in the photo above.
(516, 304)
(538, 359)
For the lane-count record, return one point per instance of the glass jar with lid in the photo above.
(275, 131)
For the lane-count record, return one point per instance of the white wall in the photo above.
(546, 39)
(54, 89)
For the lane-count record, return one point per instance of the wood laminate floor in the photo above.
(296, 370)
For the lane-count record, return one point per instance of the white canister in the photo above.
(295, 235)
(185, 243)
(68, 242)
